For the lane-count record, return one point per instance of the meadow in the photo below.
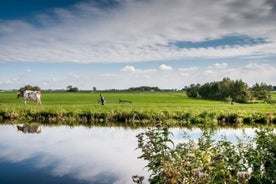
(133, 108)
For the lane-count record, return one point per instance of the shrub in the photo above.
(206, 160)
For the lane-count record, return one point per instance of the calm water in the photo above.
(63, 154)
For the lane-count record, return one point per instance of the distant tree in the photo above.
(94, 88)
(226, 89)
(144, 88)
(69, 88)
(72, 89)
(193, 91)
(29, 87)
(261, 91)
(185, 88)
(216, 90)
(240, 92)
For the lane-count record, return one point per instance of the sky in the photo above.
(118, 44)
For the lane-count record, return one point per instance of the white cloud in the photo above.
(220, 65)
(132, 69)
(252, 66)
(142, 31)
(249, 72)
(130, 76)
(138, 31)
(128, 69)
(164, 67)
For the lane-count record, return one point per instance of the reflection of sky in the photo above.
(230, 134)
(86, 154)
(83, 153)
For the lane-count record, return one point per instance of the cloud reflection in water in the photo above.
(91, 154)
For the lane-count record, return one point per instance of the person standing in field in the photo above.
(102, 99)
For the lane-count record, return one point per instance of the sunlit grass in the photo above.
(144, 107)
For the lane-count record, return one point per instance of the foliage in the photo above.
(156, 149)
(29, 87)
(261, 91)
(72, 89)
(209, 161)
(193, 91)
(144, 88)
(227, 89)
(262, 158)
(240, 92)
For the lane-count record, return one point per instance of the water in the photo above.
(79, 155)
(62, 154)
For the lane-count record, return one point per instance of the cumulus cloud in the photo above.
(132, 69)
(139, 31)
(164, 67)
(251, 73)
(128, 69)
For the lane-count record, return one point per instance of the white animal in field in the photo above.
(30, 95)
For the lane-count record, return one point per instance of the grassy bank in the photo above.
(133, 108)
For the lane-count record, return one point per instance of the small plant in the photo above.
(155, 145)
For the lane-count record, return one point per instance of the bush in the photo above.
(207, 160)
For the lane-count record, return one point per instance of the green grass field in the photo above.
(145, 107)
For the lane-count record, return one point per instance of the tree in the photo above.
(69, 88)
(238, 91)
(225, 88)
(193, 91)
(72, 89)
(144, 88)
(29, 87)
(261, 91)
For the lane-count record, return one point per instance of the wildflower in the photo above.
(243, 176)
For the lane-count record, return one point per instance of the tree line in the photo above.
(144, 88)
(231, 91)
(29, 87)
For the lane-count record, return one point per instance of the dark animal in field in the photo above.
(29, 129)
(124, 101)
(30, 95)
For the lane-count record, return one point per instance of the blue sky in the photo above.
(125, 43)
